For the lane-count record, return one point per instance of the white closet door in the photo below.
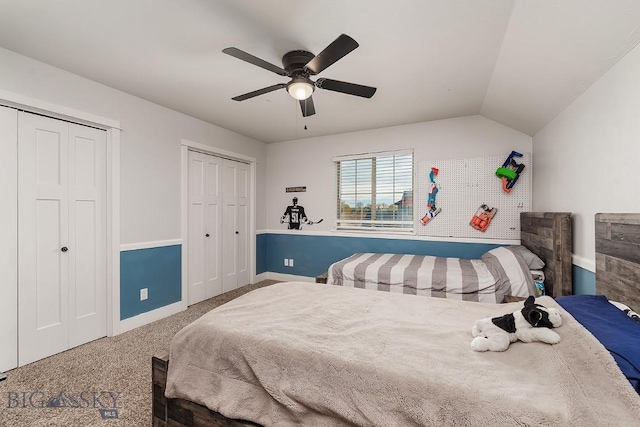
(87, 234)
(230, 219)
(43, 218)
(235, 258)
(196, 233)
(213, 226)
(243, 192)
(61, 236)
(205, 227)
(218, 226)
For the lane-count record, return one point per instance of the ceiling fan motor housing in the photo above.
(295, 61)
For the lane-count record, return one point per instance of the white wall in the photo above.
(150, 143)
(307, 162)
(586, 159)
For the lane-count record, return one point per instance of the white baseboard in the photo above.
(586, 263)
(288, 277)
(151, 316)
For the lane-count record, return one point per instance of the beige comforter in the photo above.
(318, 355)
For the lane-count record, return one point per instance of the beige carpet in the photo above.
(83, 386)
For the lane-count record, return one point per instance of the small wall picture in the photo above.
(294, 215)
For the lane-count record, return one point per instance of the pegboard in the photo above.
(464, 185)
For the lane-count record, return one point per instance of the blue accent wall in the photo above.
(312, 255)
(261, 253)
(584, 281)
(157, 269)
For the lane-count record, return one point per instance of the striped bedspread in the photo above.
(500, 272)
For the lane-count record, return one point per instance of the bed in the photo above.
(505, 271)
(415, 367)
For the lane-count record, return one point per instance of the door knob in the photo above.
(207, 235)
(64, 249)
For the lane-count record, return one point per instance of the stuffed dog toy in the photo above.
(532, 323)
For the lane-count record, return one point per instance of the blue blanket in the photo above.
(619, 333)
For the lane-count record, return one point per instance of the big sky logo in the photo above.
(106, 402)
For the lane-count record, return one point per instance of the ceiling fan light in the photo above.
(300, 90)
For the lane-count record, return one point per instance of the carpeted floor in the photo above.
(83, 386)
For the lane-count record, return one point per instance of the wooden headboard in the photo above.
(548, 235)
(618, 257)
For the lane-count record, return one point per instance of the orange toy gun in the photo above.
(429, 215)
(483, 217)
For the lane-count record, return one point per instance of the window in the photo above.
(375, 192)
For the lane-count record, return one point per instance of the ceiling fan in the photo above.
(299, 65)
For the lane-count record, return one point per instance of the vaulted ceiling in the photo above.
(519, 62)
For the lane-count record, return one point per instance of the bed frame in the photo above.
(618, 257)
(547, 234)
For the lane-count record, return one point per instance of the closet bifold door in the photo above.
(243, 193)
(87, 234)
(43, 232)
(236, 184)
(61, 236)
(204, 227)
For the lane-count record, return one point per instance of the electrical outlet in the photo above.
(286, 262)
(144, 294)
(291, 262)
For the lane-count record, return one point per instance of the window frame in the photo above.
(393, 226)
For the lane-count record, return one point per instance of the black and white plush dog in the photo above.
(532, 323)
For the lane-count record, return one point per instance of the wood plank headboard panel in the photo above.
(548, 235)
(618, 257)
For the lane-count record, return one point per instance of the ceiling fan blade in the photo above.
(336, 50)
(344, 87)
(308, 109)
(259, 92)
(240, 54)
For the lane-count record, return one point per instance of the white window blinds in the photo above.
(375, 192)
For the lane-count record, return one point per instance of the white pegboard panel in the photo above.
(464, 185)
